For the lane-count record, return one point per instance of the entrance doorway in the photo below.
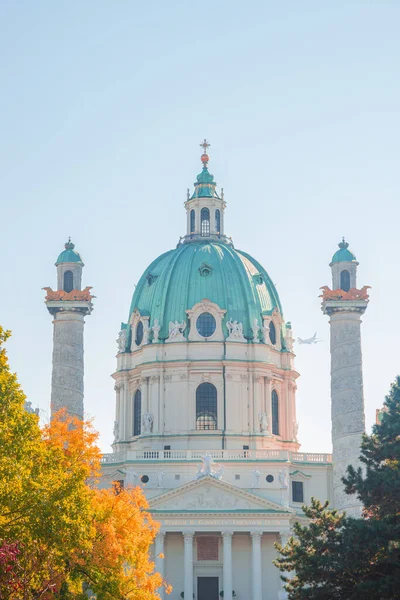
(207, 588)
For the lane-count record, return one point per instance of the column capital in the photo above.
(227, 534)
(188, 535)
(161, 534)
(256, 535)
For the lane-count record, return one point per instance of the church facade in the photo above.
(205, 387)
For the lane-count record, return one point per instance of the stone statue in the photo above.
(235, 330)
(255, 329)
(121, 341)
(218, 473)
(147, 422)
(263, 418)
(175, 331)
(265, 330)
(116, 431)
(207, 462)
(135, 477)
(160, 478)
(256, 478)
(146, 332)
(156, 330)
(208, 468)
(295, 431)
(283, 477)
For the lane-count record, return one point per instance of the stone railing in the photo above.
(217, 455)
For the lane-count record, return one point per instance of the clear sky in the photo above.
(102, 109)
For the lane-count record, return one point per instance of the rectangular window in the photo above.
(297, 491)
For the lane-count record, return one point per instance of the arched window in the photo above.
(206, 406)
(272, 333)
(275, 413)
(139, 333)
(345, 281)
(137, 412)
(68, 281)
(205, 221)
(192, 221)
(217, 221)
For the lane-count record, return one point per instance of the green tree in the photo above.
(335, 557)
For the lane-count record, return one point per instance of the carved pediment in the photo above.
(213, 495)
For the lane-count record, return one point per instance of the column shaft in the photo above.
(67, 375)
(160, 560)
(227, 574)
(347, 403)
(188, 564)
(256, 565)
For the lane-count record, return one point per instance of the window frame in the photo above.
(206, 408)
(347, 283)
(299, 486)
(275, 412)
(70, 280)
(137, 412)
(205, 222)
(217, 221)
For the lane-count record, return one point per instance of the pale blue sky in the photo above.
(102, 108)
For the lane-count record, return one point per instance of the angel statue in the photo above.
(175, 331)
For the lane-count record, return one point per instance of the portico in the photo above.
(218, 550)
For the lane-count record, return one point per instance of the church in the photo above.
(205, 407)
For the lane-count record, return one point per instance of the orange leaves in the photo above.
(69, 533)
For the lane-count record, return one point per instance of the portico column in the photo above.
(188, 563)
(159, 558)
(227, 574)
(284, 538)
(256, 565)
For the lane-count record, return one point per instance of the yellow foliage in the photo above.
(68, 531)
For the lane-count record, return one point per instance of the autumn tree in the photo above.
(335, 557)
(58, 532)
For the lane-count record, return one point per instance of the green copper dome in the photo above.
(180, 278)
(69, 255)
(343, 254)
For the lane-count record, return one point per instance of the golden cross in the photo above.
(205, 145)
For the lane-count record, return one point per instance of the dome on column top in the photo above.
(69, 254)
(343, 254)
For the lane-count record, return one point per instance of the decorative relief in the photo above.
(352, 294)
(60, 295)
(175, 331)
(235, 330)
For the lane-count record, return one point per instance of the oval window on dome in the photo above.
(206, 324)
(139, 333)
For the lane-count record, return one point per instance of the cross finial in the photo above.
(205, 145)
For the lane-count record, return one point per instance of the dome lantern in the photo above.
(205, 207)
